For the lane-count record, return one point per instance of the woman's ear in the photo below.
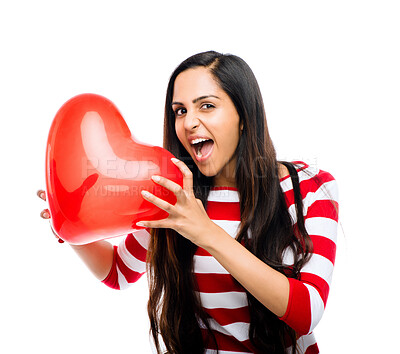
(241, 126)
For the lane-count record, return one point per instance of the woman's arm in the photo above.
(98, 257)
(129, 260)
(266, 284)
(189, 218)
(298, 302)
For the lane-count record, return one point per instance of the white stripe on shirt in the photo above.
(143, 238)
(225, 300)
(239, 330)
(320, 266)
(317, 306)
(230, 226)
(130, 261)
(322, 226)
(207, 264)
(223, 195)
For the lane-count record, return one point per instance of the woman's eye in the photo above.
(207, 105)
(180, 111)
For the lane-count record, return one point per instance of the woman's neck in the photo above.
(221, 181)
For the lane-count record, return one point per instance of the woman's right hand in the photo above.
(45, 213)
(98, 256)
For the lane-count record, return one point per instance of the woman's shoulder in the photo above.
(311, 178)
(302, 168)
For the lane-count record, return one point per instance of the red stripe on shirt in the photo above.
(229, 211)
(325, 208)
(112, 278)
(217, 283)
(298, 313)
(228, 316)
(310, 185)
(130, 275)
(132, 244)
(317, 282)
(324, 247)
(202, 252)
(312, 349)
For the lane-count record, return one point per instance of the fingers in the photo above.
(41, 194)
(163, 223)
(187, 175)
(162, 204)
(170, 185)
(180, 193)
(45, 214)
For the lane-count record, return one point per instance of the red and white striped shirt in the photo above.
(222, 297)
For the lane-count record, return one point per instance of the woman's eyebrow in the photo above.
(203, 97)
(196, 99)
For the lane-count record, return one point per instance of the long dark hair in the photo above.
(174, 308)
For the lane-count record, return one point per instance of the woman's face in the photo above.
(207, 124)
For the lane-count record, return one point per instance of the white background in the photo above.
(330, 77)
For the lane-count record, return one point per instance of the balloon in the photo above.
(95, 171)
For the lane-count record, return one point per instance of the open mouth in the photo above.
(202, 148)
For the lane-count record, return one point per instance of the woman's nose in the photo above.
(191, 121)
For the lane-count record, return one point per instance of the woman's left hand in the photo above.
(188, 216)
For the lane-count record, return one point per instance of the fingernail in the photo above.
(45, 215)
(146, 193)
(139, 224)
(173, 159)
(156, 178)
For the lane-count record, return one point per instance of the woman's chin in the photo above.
(208, 172)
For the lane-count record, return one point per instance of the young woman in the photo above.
(243, 263)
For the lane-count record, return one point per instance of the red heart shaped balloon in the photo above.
(95, 171)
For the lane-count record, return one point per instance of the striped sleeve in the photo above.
(129, 262)
(308, 295)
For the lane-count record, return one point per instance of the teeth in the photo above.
(199, 140)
